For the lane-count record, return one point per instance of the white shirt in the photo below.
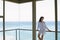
(42, 26)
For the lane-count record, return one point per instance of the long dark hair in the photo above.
(40, 18)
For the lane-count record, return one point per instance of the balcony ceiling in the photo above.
(21, 1)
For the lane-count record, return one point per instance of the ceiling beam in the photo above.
(21, 1)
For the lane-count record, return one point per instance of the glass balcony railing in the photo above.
(26, 34)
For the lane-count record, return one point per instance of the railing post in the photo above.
(16, 34)
(19, 34)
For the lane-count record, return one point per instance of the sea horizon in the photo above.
(23, 25)
(27, 35)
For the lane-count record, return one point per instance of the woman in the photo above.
(41, 28)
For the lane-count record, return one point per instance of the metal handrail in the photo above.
(25, 30)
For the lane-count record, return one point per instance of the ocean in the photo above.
(24, 34)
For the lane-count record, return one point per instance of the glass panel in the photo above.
(12, 19)
(11, 15)
(25, 21)
(25, 35)
(58, 18)
(49, 36)
(1, 28)
(58, 15)
(1, 8)
(1, 35)
(10, 35)
(1, 24)
(46, 9)
(59, 36)
(26, 15)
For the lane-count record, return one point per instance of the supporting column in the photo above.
(56, 20)
(3, 19)
(34, 19)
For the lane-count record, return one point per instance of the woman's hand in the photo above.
(49, 30)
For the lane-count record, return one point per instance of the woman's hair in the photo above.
(40, 18)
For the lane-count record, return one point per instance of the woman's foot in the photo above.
(40, 38)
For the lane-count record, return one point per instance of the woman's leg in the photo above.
(39, 36)
(42, 37)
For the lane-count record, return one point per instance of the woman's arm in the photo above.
(49, 30)
(47, 27)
